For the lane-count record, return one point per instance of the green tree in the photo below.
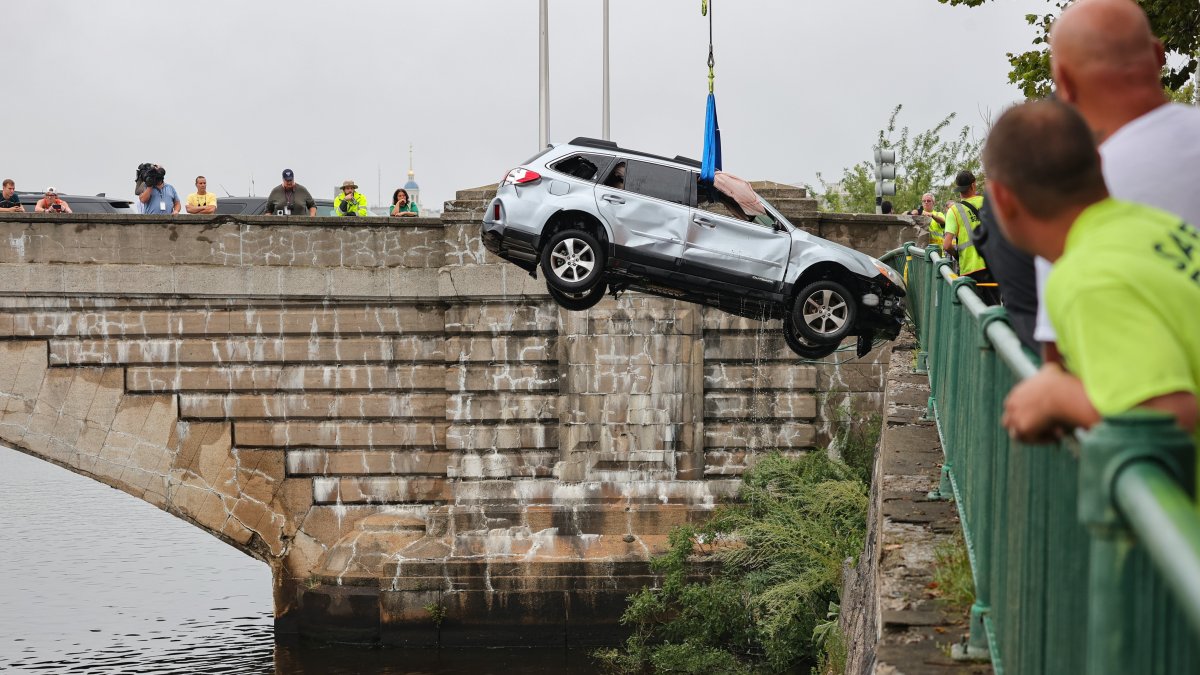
(1175, 22)
(925, 162)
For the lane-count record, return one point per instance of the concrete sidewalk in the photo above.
(898, 626)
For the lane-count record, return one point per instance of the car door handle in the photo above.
(613, 199)
(704, 222)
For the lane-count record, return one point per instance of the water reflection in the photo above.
(96, 581)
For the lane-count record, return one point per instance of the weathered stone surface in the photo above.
(314, 378)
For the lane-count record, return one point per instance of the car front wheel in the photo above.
(824, 312)
(577, 302)
(572, 261)
(803, 348)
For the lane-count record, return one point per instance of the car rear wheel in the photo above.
(578, 301)
(824, 312)
(572, 261)
(803, 348)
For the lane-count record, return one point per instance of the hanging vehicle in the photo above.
(594, 218)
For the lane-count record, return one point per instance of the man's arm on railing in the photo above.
(1042, 407)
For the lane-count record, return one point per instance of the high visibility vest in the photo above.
(936, 229)
(354, 207)
(964, 222)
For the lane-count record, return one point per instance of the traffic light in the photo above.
(885, 176)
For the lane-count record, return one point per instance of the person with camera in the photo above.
(51, 203)
(290, 198)
(937, 219)
(202, 202)
(10, 201)
(351, 202)
(158, 197)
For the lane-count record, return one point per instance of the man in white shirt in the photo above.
(1107, 63)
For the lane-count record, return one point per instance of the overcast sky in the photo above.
(237, 90)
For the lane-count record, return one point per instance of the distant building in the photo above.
(411, 187)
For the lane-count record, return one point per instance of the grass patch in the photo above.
(856, 438)
(955, 585)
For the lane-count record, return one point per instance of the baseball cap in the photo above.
(288, 175)
(963, 181)
(51, 191)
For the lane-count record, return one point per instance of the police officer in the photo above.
(961, 220)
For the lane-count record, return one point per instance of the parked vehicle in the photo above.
(257, 206)
(597, 218)
(82, 203)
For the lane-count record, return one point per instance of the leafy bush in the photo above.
(774, 560)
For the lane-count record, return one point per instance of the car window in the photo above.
(80, 206)
(714, 201)
(230, 206)
(585, 166)
(710, 199)
(655, 180)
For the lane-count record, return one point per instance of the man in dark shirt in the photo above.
(290, 198)
(10, 201)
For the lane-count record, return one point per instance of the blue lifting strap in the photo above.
(710, 161)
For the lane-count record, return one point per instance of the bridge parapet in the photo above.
(389, 417)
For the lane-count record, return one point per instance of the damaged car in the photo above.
(595, 218)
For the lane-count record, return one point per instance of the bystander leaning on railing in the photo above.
(1124, 295)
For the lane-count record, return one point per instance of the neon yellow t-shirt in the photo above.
(206, 199)
(1125, 300)
(969, 259)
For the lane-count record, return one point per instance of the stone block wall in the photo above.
(391, 417)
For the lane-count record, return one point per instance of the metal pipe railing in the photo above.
(1100, 525)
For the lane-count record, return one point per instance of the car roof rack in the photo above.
(611, 145)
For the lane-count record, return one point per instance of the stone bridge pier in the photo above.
(421, 445)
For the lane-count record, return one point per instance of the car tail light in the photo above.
(496, 211)
(520, 176)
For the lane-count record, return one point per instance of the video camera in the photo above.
(150, 174)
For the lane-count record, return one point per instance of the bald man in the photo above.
(1125, 306)
(1107, 63)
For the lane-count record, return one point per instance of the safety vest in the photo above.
(356, 206)
(964, 222)
(936, 229)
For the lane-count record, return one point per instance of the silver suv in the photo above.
(597, 218)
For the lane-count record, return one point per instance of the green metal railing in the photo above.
(1086, 553)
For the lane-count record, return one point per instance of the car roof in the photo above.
(117, 205)
(600, 144)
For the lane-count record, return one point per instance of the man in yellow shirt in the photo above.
(202, 201)
(1124, 292)
(961, 220)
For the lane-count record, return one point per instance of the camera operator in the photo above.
(51, 203)
(158, 197)
(937, 219)
(290, 198)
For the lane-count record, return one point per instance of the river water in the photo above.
(93, 580)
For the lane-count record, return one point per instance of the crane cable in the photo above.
(704, 11)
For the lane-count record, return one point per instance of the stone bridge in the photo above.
(420, 444)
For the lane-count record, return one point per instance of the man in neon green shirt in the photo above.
(1124, 295)
(350, 202)
(961, 220)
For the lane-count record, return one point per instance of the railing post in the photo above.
(1108, 449)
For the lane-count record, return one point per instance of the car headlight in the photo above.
(889, 273)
